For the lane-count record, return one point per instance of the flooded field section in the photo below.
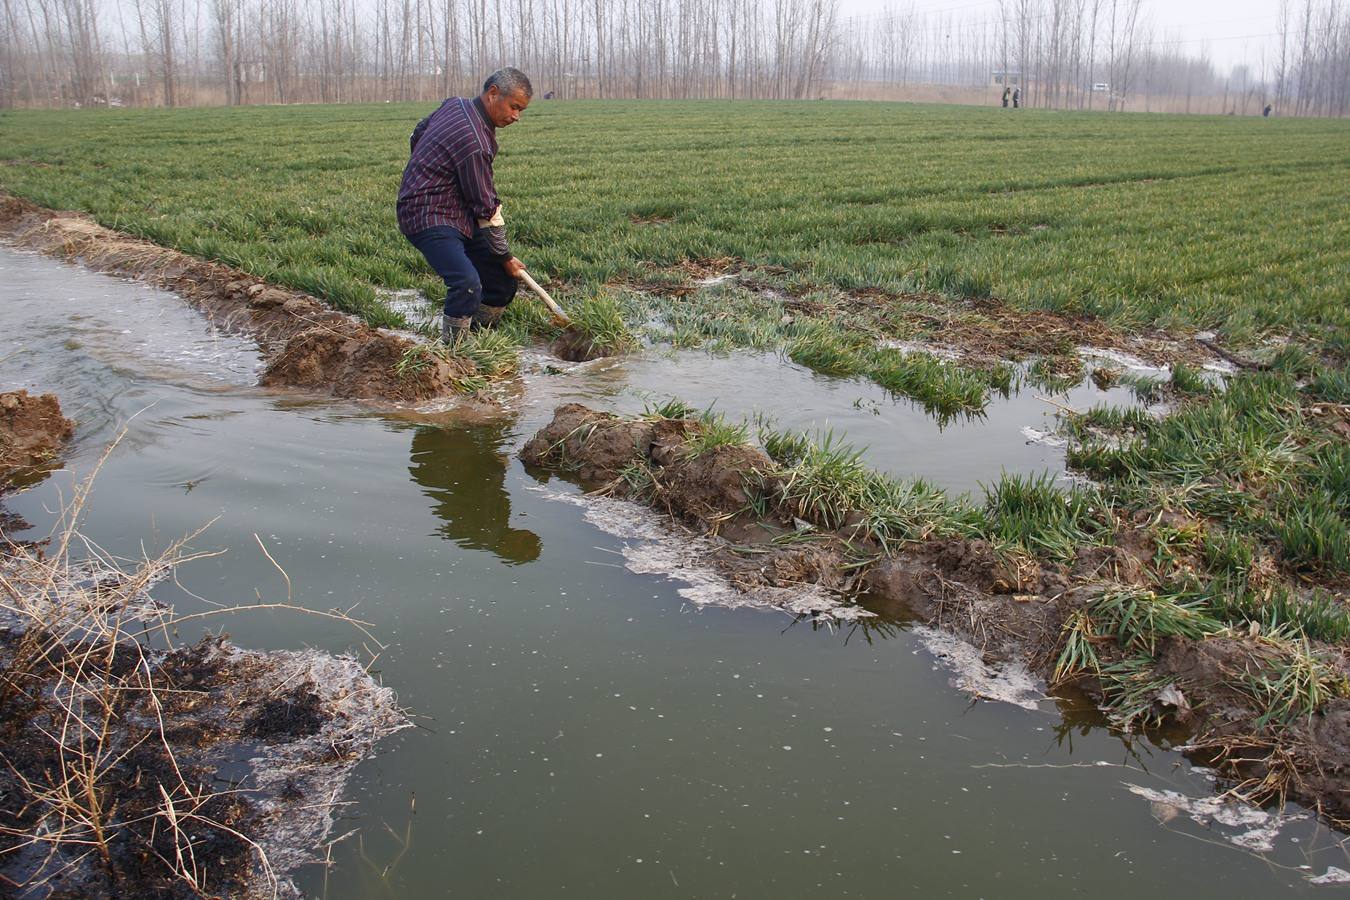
(586, 730)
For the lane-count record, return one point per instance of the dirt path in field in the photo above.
(1012, 609)
(308, 345)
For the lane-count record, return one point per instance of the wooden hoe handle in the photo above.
(543, 295)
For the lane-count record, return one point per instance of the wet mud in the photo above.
(308, 345)
(574, 345)
(1014, 610)
(32, 431)
(649, 461)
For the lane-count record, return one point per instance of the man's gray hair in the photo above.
(507, 81)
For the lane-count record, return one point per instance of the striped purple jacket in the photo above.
(448, 180)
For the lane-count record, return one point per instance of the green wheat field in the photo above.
(1234, 225)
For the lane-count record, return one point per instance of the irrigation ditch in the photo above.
(1174, 592)
(309, 346)
(1269, 710)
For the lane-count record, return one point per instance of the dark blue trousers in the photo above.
(472, 274)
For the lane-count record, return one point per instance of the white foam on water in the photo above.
(1008, 682)
(908, 347)
(409, 302)
(1120, 358)
(1240, 824)
(652, 548)
(1333, 875)
(1046, 438)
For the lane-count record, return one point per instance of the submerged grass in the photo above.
(1130, 688)
(736, 317)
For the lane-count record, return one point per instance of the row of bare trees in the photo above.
(1104, 54)
(170, 52)
(1052, 51)
(1079, 54)
(1312, 68)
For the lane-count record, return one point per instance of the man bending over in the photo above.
(448, 206)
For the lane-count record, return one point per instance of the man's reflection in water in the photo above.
(464, 471)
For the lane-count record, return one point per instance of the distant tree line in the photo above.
(1068, 54)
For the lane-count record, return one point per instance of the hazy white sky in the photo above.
(1232, 31)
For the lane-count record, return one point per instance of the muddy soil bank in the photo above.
(218, 768)
(1012, 608)
(32, 430)
(309, 346)
(708, 494)
(128, 769)
(574, 345)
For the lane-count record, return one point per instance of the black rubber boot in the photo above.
(487, 316)
(454, 328)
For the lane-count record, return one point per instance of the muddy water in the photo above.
(585, 730)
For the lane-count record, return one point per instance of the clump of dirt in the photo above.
(1211, 669)
(652, 460)
(310, 346)
(575, 345)
(1012, 608)
(597, 445)
(714, 486)
(32, 430)
(343, 359)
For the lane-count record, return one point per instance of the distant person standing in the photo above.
(1017, 98)
(1265, 113)
(1007, 92)
(448, 206)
